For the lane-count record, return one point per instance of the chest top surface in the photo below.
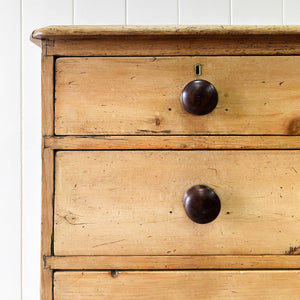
(168, 40)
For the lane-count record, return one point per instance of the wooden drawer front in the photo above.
(131, 202)
(140, 95)
(177, 285)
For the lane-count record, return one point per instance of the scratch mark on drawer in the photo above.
(108, 243)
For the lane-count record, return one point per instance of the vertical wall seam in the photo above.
(21, 146)
(178, 13)
(73, 12)
(126, 13)
(283, 21)
(230, 12)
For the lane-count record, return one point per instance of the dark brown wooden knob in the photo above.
(199, 97)
(202, 204)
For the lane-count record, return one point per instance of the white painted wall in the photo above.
(10, 150)
(20, 165)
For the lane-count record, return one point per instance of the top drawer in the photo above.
(141, 95)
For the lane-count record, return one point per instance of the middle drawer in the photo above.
(131, 202)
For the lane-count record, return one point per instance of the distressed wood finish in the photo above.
(47, 176)
(47, 95)
(149, 46)
(116, 90)
(177, 285)
(97, 209)
(172, 142)
(91, 31)
(211, 262)
(141, 95)
(169, 40)
(47, 221)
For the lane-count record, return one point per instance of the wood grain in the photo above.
(141, 95)
(47, 95)
(268, 35)
(131, 202)
(47, 176)
(47, 221)
(91, 31)
(209, 262)
(152, 46)
(172, 142)
(178, 285)
(124, 209)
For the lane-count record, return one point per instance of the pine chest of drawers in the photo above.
(171, 162)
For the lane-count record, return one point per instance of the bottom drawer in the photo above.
(177, 285)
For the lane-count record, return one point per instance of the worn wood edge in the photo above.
(47, 220)
(211, 262)
(179, 284)
(36, 41)
(47, 177)
(92, 31)
(177, 45)
(47, 95)
(171, 142)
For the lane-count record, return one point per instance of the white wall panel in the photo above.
(36, 13)
(99, 12)
(205, 12)
(154, 12)
(256, 12)
(291, 12)
(10, 151)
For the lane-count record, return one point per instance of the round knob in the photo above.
(202, 204)
(199, 97)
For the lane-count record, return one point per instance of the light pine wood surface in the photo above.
(90, 31)
(110, 209)
(210, 45)
(47, 176)
(178, 40)
(171, 142)
(141, 95)
(177, 285)
(290, 260)
(98, 211)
